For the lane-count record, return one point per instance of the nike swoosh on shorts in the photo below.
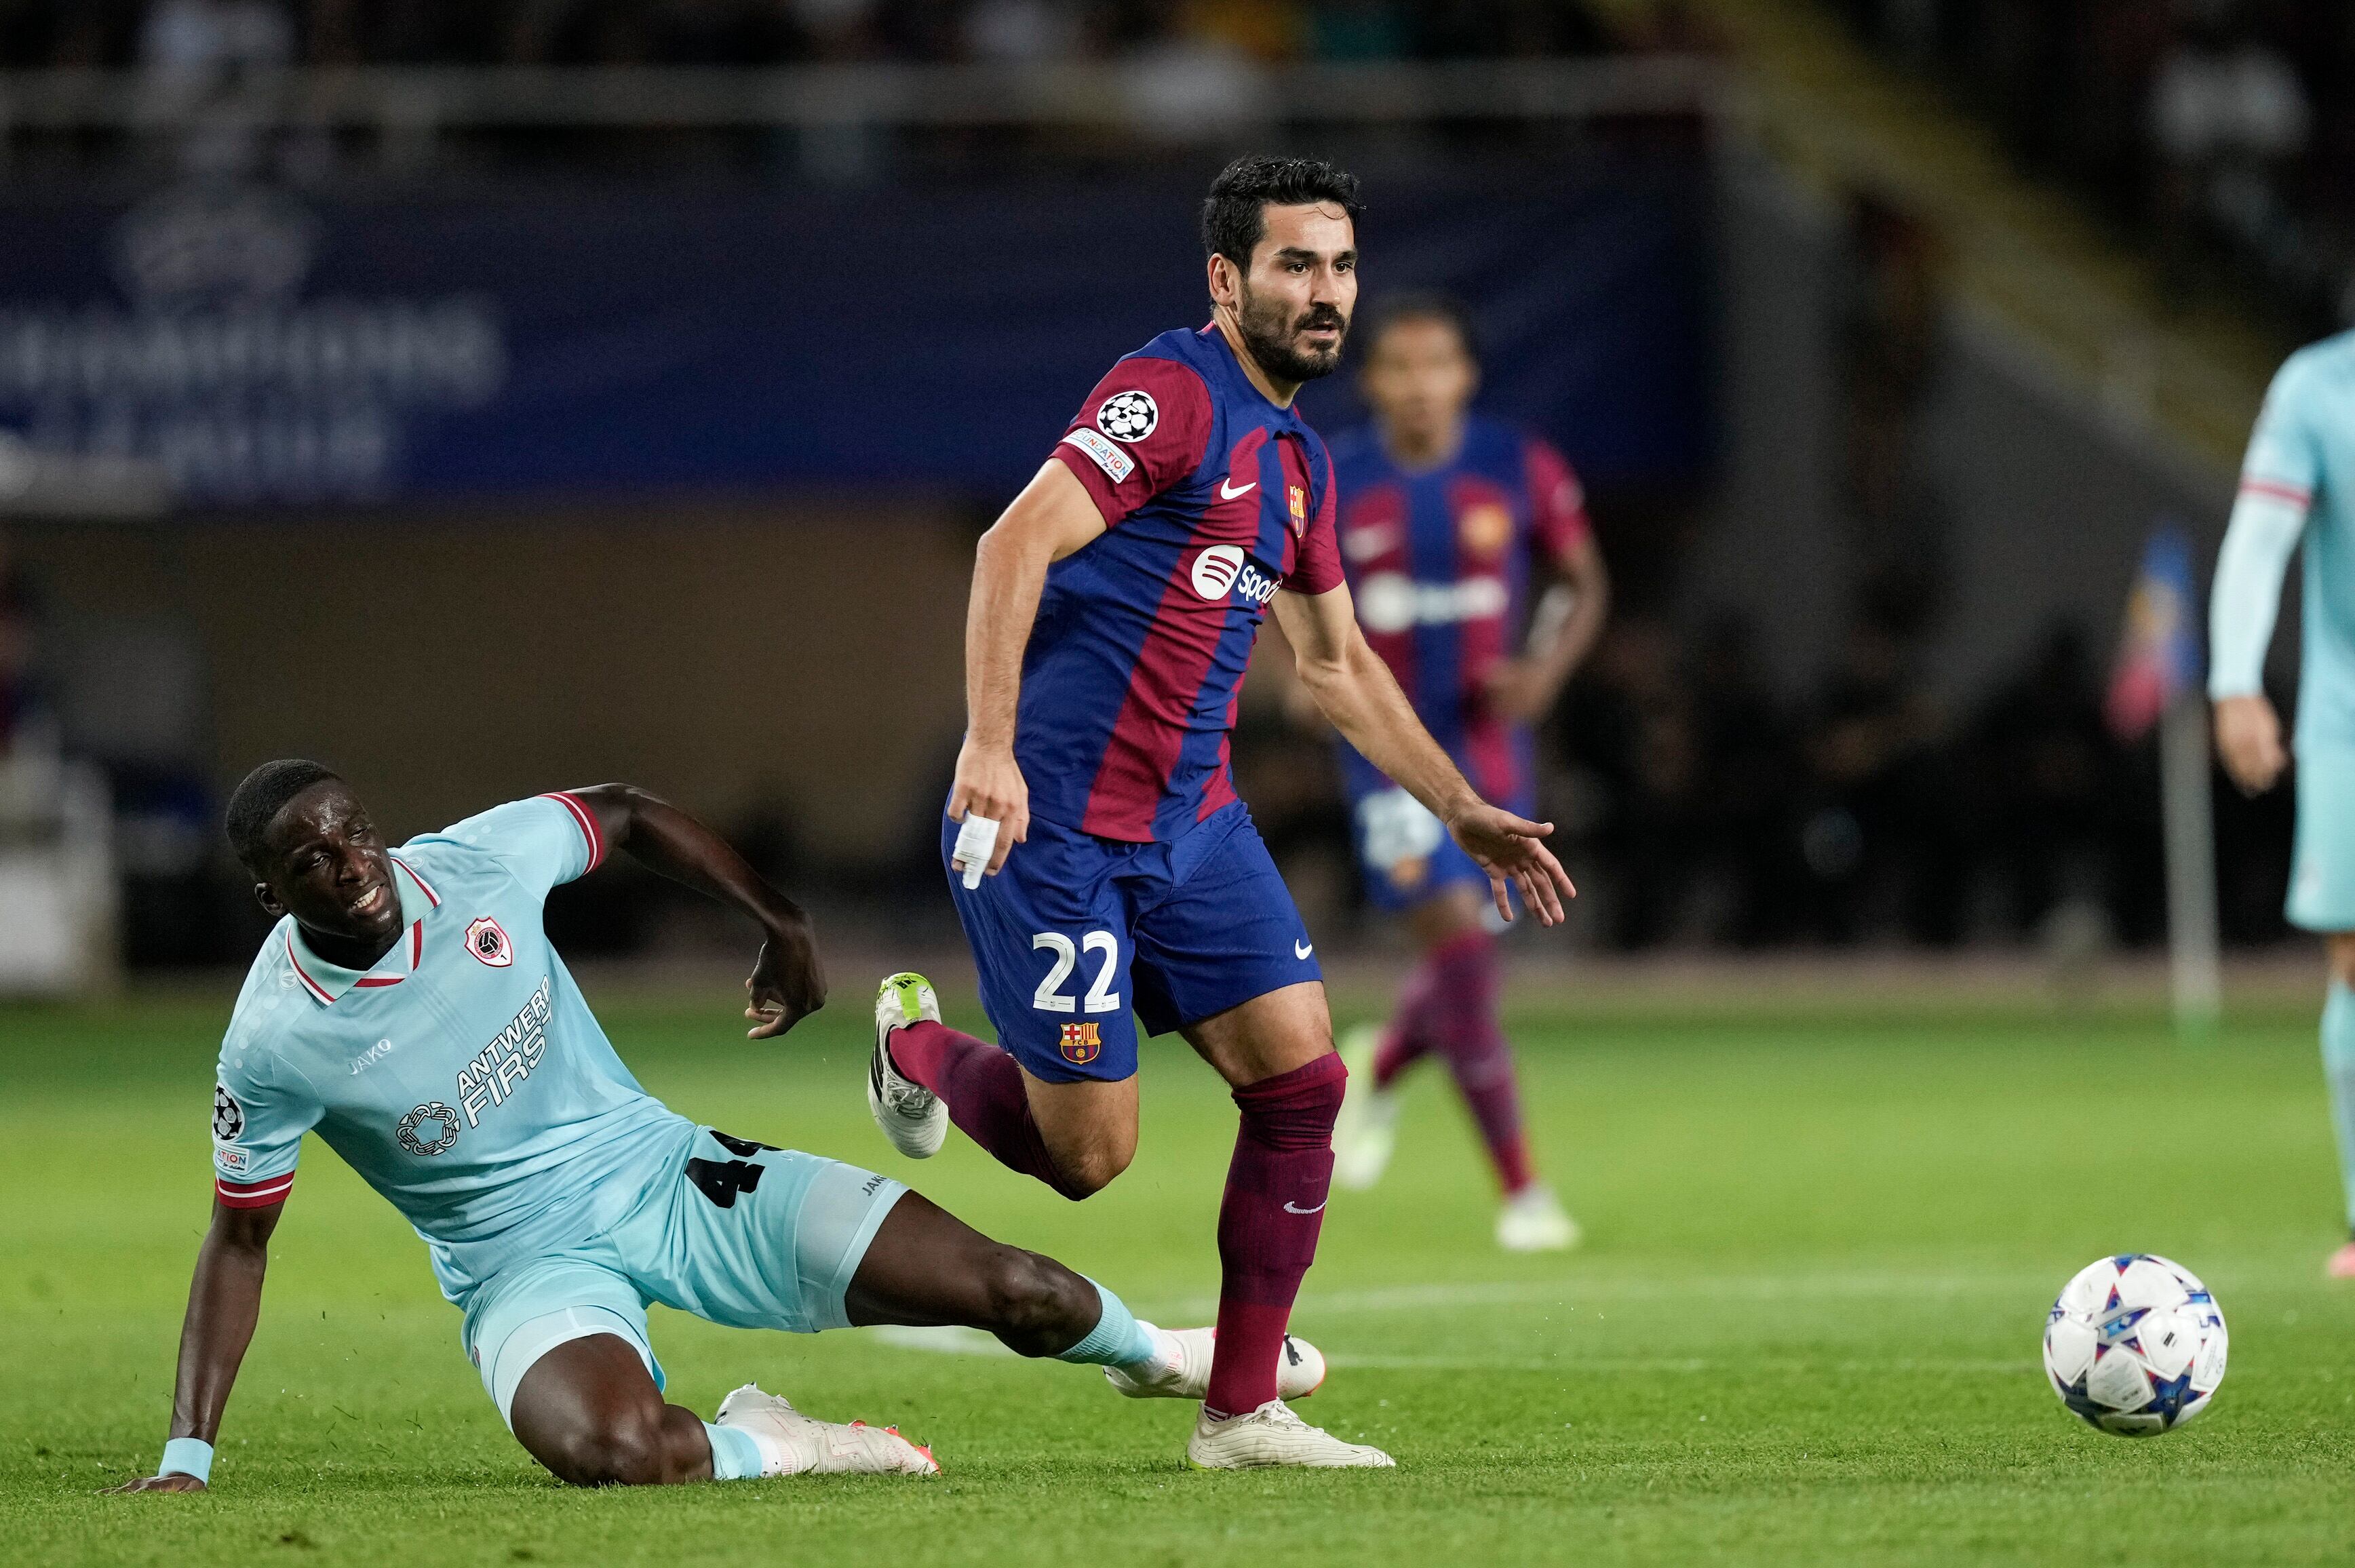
(1292, 1207)
(1303, 949)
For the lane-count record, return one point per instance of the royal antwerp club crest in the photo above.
(1082, 1044)
(486, 939)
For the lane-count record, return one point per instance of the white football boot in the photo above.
(1183, 1371)
(1365, 1132)
(1533, 1221)
(911, 1115)
(792, 1443)
(1272, 1436)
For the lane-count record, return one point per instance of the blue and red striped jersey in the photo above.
(1213, 498)
(1439, 562)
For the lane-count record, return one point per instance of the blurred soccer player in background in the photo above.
(2297, 483)
(1450, 524)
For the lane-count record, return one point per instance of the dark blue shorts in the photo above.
(1077, 931)
(1403, 851)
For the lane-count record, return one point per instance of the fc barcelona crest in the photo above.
(1082, 1044)
(486, 939)
(1299, 496)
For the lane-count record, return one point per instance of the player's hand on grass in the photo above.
(1511, 850)
(170, 1481)
(989, 783)
(788, 984)
(2248, 738)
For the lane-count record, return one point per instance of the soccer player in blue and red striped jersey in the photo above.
(1114, 606)
(1448, 522)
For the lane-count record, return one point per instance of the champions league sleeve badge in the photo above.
(1128, 416)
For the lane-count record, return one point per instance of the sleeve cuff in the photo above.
(586, 820)
(1093, 481)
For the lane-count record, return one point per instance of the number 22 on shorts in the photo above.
(1050, 997)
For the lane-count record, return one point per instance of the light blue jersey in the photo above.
(2301, 456)
(463, 1077)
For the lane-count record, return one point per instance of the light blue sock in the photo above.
(734, 1456)
(1118, 1340)
(2339, 1071)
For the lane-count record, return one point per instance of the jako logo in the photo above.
(1223, 569)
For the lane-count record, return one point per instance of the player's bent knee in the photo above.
(1034, 1304)
(1085, 1171)
(628, 1450)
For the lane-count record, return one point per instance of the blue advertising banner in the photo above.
(267, 347)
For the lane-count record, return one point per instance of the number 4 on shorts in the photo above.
(1101, 997)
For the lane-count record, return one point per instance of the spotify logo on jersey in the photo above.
(1216, 569)
(1224, 570)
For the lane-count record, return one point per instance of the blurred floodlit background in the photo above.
(490, 396)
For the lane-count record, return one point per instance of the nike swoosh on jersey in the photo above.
(1229, 489)
(1303, 949)
(1292, 1207)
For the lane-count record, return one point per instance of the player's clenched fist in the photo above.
(990, 784)
(2248, 738)
(787, 983)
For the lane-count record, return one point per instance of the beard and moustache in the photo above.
(1274, 340)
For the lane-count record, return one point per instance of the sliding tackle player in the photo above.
(409, 1008)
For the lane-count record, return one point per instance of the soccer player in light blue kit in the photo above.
(2298, 485)
(409, 1009)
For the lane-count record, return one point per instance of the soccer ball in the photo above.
(2136, 1345)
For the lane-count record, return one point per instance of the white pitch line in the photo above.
(948, 1340)
(954, 1341)
(1691, 1290)
(1671, 1364)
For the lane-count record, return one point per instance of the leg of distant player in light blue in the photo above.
(2339, 1072)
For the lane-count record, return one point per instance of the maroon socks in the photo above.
(983, 1089)
(1449, 1006)
(1268, 1223)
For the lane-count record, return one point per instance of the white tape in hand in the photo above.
(976, 841)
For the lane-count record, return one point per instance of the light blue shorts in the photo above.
(742, 1234)
(2322, 866)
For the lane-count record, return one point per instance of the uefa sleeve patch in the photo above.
(228, 1117)
(1128, 416)
(1117, 465)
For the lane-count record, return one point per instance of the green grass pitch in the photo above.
(1804, 1326)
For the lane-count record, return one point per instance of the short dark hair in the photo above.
(1421, 305)
(1235, 215)
(256, 803)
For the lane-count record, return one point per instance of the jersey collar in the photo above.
(326, 982)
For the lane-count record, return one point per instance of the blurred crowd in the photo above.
(262, 34)
(2222, 129)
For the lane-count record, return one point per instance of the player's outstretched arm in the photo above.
(1053, 517)
(224, 1303)
(1357, 692)
(787, 983)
